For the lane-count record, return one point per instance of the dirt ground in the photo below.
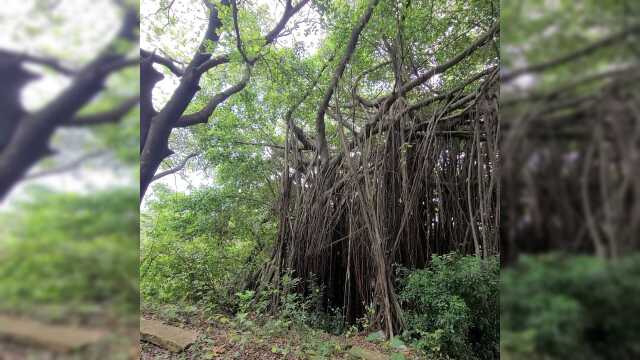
(121, 340)
(221, 339)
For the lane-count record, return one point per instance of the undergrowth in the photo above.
(450, 308)
(558, 306)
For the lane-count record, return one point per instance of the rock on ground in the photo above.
(52, 337)
(172, 338)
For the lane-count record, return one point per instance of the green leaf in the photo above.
(397, 343)
(376, 337)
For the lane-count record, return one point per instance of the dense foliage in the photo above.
(452, 306)
(576, 103)
(270, 233)
(568, 96)
(201, 246)
(560, 306)
(57, 249)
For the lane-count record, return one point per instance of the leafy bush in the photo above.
(199, 248)
(291, 307)
(452, 307)
(67, 247)
(280, 308)
(173, 270)
(558, 306)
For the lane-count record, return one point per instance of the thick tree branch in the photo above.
(213, 62)
(157, 127)
(149, 77)
(481, 41)
(289, 11)
(208, 42)
(212, 27)
(203, 115)
(297, 131)
(585, 51)
(107, 117)
(172, 116)
(51, 63)
(236, 29)
(464, 84)
(322, 146)
(164, 61)
(29, 141)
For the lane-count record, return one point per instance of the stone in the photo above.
(56, 338)
(172, 338)
(360, 353)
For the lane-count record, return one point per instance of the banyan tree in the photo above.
(402, 160)
(573, 142)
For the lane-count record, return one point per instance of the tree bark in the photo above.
(27, 142)
(157, 126)
(322, 146)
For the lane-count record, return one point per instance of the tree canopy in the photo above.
(395, 98)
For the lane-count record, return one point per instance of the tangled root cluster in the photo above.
(571, 177)
(417, 183)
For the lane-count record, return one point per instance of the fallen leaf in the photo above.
(217, 350)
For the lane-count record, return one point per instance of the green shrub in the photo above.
(199, 248)
(62, 248)
(291, 307)
(173, 270)
(452, 307)
(558, 306)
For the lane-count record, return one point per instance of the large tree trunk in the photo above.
(156, 127)
(27, 136)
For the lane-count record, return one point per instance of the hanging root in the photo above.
(571, 175)
(419, 183)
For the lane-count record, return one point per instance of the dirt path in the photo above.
(216, 343)
(59, 338)
(222, 339)
(26, 337)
